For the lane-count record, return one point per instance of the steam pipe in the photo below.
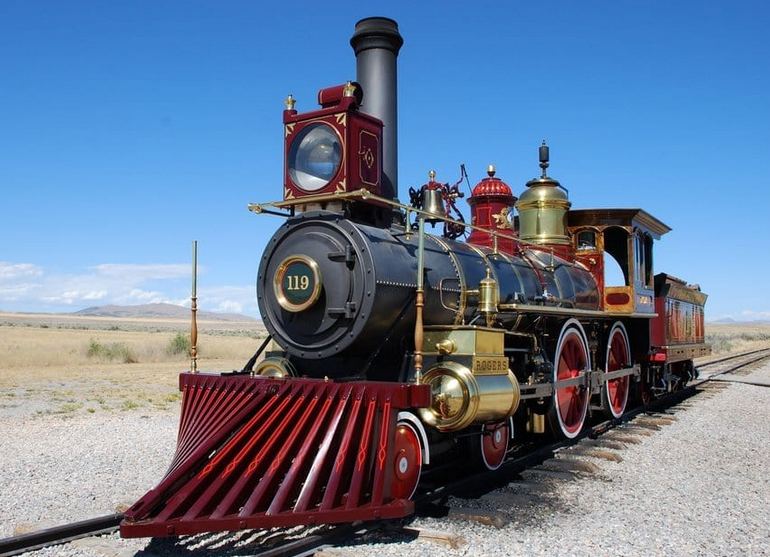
(376, 42)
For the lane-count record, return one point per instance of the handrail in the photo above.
(366, 195)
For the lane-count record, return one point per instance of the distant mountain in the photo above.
(731, 321)
(167, 311)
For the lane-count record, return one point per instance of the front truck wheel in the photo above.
(408, 461)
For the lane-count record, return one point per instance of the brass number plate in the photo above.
(297, 283)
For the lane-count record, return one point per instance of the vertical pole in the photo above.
(419, 300)
(194, 310)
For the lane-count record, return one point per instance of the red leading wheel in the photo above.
(618, 356)
(408, 461)
(570, 403)
(494, 444)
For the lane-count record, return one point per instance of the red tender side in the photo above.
(256, 452)
(678, 332)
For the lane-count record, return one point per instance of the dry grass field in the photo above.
(51, 364)
(66, 365)
(737, 337)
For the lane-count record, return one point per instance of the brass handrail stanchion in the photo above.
(194, 310)
(419, 299)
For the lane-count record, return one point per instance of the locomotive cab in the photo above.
(622, 237)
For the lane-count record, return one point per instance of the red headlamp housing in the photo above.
(335, 149)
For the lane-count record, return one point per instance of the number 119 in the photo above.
(297, 282)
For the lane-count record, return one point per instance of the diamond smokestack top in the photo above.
(376, 42)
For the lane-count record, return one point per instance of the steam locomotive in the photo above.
(394, 351)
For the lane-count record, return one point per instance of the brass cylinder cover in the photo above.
(461, 399)
(543, 212)
(275, 366)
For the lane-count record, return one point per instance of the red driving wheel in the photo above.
(570, 403)
(615, 394)
(408, 461)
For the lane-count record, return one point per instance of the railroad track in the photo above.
(307, 542)
(60, 534)
(730, 364)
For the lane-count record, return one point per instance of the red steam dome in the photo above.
(491, 186)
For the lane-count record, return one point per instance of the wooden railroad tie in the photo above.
(447, 539)
(487, 518)
(628, 439)
(598, 453)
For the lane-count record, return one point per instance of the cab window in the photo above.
(616, 271)
(648, 273)
(586, 240)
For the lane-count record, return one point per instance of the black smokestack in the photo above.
(376, 42)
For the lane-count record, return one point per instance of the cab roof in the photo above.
(631, 218)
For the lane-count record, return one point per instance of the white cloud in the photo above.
(228, 306)
(71, 296)
(15, 271)
(229, 299)
(144, 296)
(30, 287)
(18, 280)
(16, 291)
(753, 315)
(186, 302)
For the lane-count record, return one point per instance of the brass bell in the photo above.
(432, 202)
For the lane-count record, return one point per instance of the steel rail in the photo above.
(312, 543)
(731, 357)
(56, 535)
(737, 366)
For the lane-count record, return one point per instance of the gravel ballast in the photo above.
(62, 469)
(696, 486)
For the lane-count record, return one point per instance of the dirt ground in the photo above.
(65, 365)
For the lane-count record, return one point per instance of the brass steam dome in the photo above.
(543, 208)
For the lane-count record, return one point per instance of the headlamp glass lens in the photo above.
(314, 157)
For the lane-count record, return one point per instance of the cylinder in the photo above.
(376, 42)
(461, 399)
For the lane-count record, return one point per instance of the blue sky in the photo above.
(128, 129)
